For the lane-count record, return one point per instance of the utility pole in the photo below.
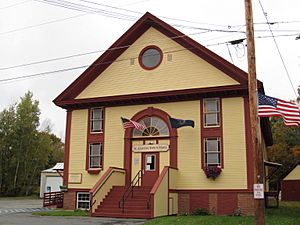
(259, 205)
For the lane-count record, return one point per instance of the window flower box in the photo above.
(212, 171)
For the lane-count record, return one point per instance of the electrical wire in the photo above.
(16, 78)
(229, 53)
(278, 50)
(13, 5)
(117, 48)
(42, 24)
(178, 25)
(93, 52)
(122, 16)
(5, 80)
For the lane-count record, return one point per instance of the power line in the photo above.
(178, 25)
(120, 47)
(42, 73)
(13, 5)
(42, 24)
(230, 54)
(77, 67)
(280, 55)
(16, 78)
(122, 16)
(92, 52)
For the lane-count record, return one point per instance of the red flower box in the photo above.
(212, 171)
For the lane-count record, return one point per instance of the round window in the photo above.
(150, 57)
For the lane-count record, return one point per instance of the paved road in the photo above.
(18, 212)
(16, 203)
(28, 219)
(20, 206)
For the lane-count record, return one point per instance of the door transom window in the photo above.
(154, 127)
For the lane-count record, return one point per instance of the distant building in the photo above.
(291, 185)
(153, 73)
(51, 179)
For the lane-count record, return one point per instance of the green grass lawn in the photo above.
(62, 213)
(287, 214)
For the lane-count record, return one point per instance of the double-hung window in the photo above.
(95, 156)
(212, 151)
(96, 120)
(211, 112)
(83, 200)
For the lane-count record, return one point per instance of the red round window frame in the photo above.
(142, 53)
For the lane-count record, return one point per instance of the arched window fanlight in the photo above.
(154, 127)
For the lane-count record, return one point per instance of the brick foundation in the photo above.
(183, 203)
(70, 200)
(216, 202)
(213, 203)
(246, 203)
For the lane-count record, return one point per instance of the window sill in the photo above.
(94, 171)
(212, 126)
(96, 132)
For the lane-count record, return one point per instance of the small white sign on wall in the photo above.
(136, 161)
(258, 191)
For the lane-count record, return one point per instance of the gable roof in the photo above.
(67, 97)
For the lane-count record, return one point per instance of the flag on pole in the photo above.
(269, 106)
(177, 123)
(130, 123)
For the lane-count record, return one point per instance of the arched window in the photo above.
(154, 127)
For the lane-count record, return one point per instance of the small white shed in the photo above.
(51, 179)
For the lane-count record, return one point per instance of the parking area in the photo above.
(18, 212)
(8, 203)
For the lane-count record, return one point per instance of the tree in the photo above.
(7, 143)
(24, 150)
(286, 140)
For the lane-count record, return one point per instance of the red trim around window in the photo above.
(94, 137)
(67, 148)
(144, 50)
(211, 132)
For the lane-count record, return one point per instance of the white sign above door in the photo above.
(150, 148)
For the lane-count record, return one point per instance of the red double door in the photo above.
(150, 168)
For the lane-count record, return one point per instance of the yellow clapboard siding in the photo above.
(78, 145)
(136, 163)
(294, 175)
(189, 174)
(164, 160)
(161, 198)
(185, 71)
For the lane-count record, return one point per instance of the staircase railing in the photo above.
(129, 190)
(159, 197)
(112, 176)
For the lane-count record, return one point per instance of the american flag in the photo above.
(269, 106)
(130, 123)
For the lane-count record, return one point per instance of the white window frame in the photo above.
(216, 112)
(146, 163)
(77, 200)
(218, 151)
(100, 155)
(92, 120)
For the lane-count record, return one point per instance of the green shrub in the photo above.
(201, 212)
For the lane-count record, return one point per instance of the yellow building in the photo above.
(151, 74)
